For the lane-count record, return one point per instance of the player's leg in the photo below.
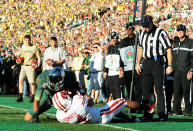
(33, 89)
(31, 76)
(22, 76)
(92, 86)
(111, 109)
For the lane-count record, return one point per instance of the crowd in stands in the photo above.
(77, 24)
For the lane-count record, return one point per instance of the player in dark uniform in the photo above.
(48, 83)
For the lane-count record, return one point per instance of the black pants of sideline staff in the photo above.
(183, 88)
(137, 83)
(153, 74)
(113, 83)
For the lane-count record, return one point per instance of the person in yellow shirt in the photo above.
(77, 67)
(30, 53)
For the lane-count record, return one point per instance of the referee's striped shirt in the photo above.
(154, 42)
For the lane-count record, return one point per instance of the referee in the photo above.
(153, 43)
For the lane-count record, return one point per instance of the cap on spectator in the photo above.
(181, 27)
(146, 20)
(114, 35)
(129, 25)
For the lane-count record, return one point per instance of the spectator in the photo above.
(53, 56)
(183, 70)
(77, 67)
(16, 70)
(113, 71)
(127, 55)
(86, 64)
(29, 52)
(96, 72)
(9, 62)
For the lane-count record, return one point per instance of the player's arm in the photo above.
(33, 115)
(90, 100)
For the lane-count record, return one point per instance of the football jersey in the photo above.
(76, 113)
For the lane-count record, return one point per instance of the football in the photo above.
(49, 61)
(33, 63)
(20, 60)
(133, 104)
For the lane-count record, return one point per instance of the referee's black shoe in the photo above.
(147, 118)
(162, 117)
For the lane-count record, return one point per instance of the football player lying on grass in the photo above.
(48, 83)
(79, 109)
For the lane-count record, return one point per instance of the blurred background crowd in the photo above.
(78, 24)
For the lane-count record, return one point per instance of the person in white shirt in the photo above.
(54, 56)
(96, 71)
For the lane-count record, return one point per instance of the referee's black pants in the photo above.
(114, 86)
(182, 88)
(153, 74)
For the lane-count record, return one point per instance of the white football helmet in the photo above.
(62, 101)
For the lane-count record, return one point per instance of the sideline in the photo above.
(129, 129)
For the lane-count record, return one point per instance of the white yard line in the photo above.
(129, 129)
(25, 109)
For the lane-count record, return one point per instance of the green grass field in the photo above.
(12, 114)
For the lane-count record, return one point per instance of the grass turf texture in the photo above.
(11, 119)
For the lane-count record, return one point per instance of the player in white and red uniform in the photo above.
(70, 110)
(80, 112)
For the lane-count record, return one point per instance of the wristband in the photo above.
(35, 117)
(169, 64)
(34, 113)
